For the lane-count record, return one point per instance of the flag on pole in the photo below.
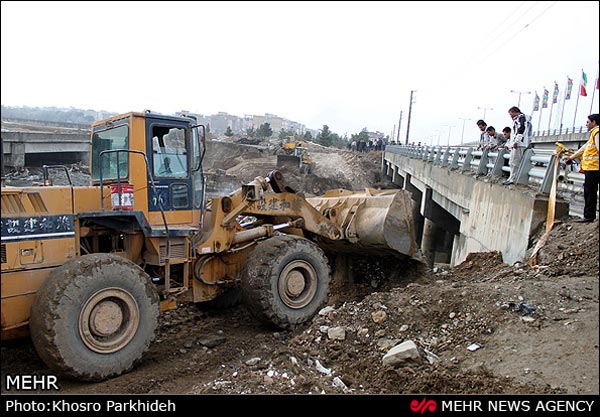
(555, 93)
(536, 102)
(569, 88)
(582, 91)
(545, 99)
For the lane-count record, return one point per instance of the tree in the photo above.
(308, 135)
(363, 135)
(284, 134)
(251, 132)
(324, 137)
(336, 140)
(229, 132)
(264, 131)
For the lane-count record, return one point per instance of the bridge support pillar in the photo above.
(396, 177)
(417, 220)
(428, 245)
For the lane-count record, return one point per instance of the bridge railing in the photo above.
(565, 131)
(536, 168)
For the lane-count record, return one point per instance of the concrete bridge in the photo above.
(458, 209)
(28, 143)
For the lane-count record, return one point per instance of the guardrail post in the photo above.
(525, 167)
(455, 158)
(437, 158)
(482, 168)
(548, 176)
(497, 169)
(446, 156)
(467, 162)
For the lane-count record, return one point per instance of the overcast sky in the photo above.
(349, 65)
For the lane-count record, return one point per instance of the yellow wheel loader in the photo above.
(86, 270)
(296, 156)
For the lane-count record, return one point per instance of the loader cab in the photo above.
(165, 150)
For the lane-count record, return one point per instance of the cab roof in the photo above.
(143, 115)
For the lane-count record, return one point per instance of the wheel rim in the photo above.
(108, 320)
(297, 284)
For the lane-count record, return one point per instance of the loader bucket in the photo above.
(377, 222)
(288, 160)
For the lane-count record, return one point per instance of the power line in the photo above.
(486, 44)
(511, 14)
(519, 31)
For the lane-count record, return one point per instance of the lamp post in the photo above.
(519, 93)
(462, 136)
(449, 130)
(484, 110)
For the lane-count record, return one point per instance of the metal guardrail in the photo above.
(533, 171)
(565, 131)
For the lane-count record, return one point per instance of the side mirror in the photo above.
(201, 145)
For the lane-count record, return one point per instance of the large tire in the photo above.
(285, 281)
(94, 317)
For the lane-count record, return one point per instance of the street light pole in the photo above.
(484, 110)
(449, 130)
(462, 136)
(519, 93)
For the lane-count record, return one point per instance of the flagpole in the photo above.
(550, 116)
(562, 113)
(540, 119)
(577, 102)
(551, 105)
(594, 93)
(575, 115)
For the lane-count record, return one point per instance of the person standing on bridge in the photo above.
(520, 141)
(505, 137)
(482, 125)
(491, 144)
(591, 169)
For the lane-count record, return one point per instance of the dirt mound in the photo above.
(477, 261)
(572, 249)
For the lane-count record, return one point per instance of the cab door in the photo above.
(169, 157)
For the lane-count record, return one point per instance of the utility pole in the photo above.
(484, 110)
(399, 124)
(449, 130)
(409, 114)
(462, 136)
(519, 93)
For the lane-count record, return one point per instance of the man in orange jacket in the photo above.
(590, 164)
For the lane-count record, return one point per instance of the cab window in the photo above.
(109, 139)
(169, 156)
